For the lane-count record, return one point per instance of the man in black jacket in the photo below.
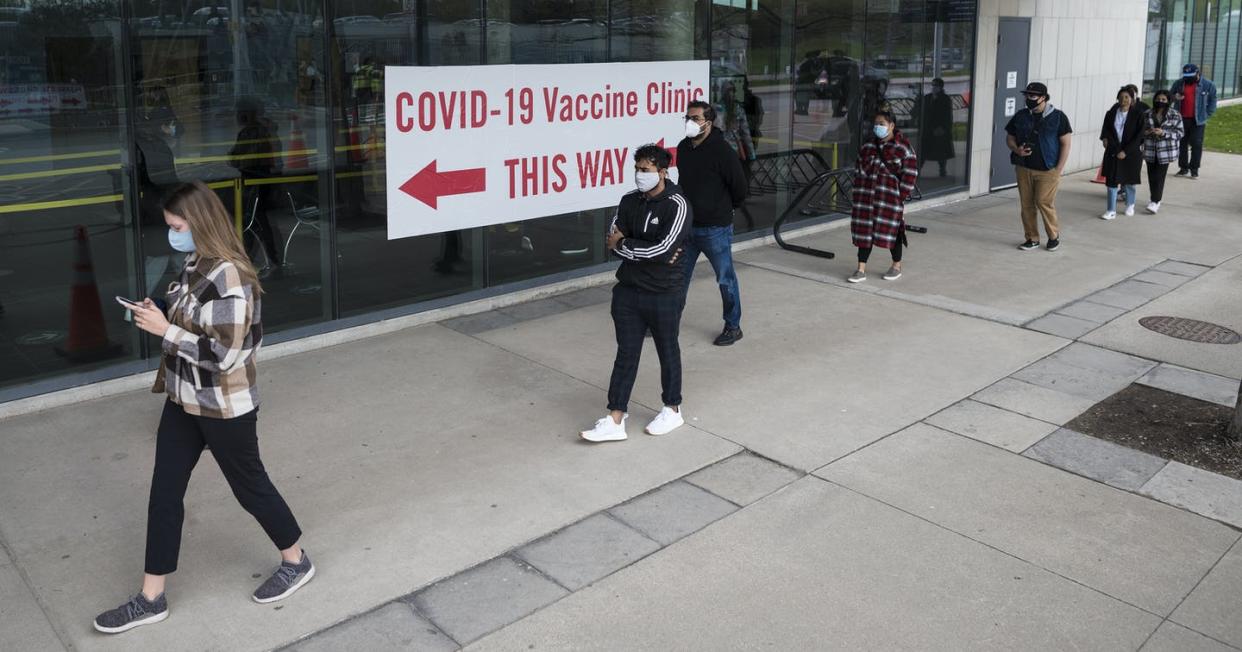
(647, 234)
(710, 173)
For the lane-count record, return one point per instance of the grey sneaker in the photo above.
(287, 579)
(135, 613)
(857, 277)
(892, 274)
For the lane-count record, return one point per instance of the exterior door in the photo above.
(1013, 43)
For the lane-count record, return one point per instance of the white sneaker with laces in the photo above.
(606, 430)
(1153, 207)
(1130, 209)
(665, 422)
(1109, 215)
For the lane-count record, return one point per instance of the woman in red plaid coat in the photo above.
(886, 171)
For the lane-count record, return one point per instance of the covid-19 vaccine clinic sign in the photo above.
(470, 146)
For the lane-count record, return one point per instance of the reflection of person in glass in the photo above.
(754, 109)
(256, 155)
(864, 105)
(935, 113)
(647, 234)
(808, 72)
(736, 125)
(885, 172)
(157, 175)
(210, 332)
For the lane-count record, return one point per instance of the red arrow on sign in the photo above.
(672, 152)
(429, 185)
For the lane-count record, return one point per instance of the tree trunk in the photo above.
(1235, 426)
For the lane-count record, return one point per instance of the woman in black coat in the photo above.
(1122, 135)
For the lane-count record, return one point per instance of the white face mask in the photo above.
(693, 129)
(646, 180)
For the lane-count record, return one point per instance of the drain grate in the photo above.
(1191, 330)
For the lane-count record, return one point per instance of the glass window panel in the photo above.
(66, 231)
(231, 94)
(941, 110)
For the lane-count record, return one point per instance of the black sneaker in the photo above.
(1054, 244)
(1029, 245)
(1182, 173)
(1194, 174)
(135, 613)
(728, 336)
(287, 579)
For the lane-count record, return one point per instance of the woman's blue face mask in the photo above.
(182, 241)
(880, 130)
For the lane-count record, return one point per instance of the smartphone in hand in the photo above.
(129, 303)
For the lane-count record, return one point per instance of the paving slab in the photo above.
(388, 454)
(587, 550)
(1161, 278)
(992, 425)
(529, 310)
(1172, 637)
(1119, 299)
(25, 627)
(1212, 608)
(1202, 492)
(1184, 269)
(743, 478)
(673, 511)
(1195, 384)
(480, 323)
(1121, 467)
(824, 362)
(1103, 360)
(1142, 552)
(486, 598)
(1139, 288)
(1062, 375)
(1092, 312)
(1062, 326)
(1034, 401)
(387, 629)
(586, 297)
(816, 566)
(1208, 298)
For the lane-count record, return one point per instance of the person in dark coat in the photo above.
(936, 126)
(1122, 135)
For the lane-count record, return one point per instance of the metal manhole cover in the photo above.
(1191, 329)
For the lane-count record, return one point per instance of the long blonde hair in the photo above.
(212, 227)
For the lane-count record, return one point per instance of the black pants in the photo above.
(1156, 174)
(633, 312)
(235, 445)
(864, 253)
(1190, 153)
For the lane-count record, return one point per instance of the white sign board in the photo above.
(41, 98)
(1011, 79)
(1011, 106)
(470, 146)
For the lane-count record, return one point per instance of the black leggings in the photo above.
(235, 445)
(1156, 174)
(864, 253)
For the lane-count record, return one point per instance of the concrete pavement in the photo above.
(852, 474)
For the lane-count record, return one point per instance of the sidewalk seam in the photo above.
(8, 552)
(1169, 618)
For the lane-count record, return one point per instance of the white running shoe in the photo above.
(1130, 209)
(665, 422)
(1153, 207)
(1109, 215)
(606, 430)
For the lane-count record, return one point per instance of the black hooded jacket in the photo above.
(655, 229)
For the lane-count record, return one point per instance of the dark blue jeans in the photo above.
(717, 243)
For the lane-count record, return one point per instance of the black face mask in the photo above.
(1160, 105)
(1031, 104)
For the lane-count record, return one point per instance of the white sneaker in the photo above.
(606, 430)
(1109, 215)
(665, 422)
(1130, 209)
(1153, 207)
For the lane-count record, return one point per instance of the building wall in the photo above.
(1084, 51)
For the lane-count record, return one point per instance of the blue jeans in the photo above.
(717, 243)
(1131, 196)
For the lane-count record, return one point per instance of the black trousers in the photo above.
(635, 311)
(235, 445)
(864, 253)
(1190, 152)
(1156, 174)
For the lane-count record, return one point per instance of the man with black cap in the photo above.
(1195, 98)
(1039, 137)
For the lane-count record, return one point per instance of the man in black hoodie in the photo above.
(647, 234)
(710, 173)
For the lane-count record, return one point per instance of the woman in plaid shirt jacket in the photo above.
(885, 174)
(210, 336)
(1161, 140)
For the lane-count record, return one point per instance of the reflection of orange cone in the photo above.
(296, 160)
(88, 335)
(1099, 175)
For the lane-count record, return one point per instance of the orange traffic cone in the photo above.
(1099, 175)
(88, 334)
(296, 159)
